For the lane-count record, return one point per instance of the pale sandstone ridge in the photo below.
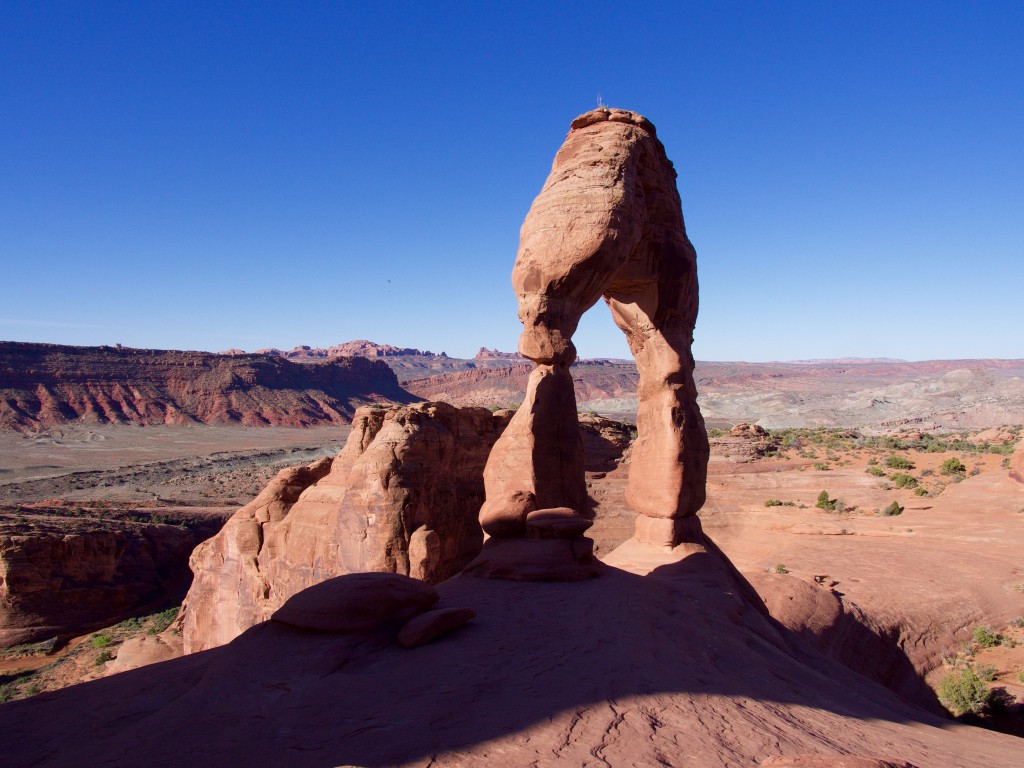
(608, 223)
(401, 497)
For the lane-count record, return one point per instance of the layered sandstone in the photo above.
(47, 384)
(401, 497)
(62, 577)
(607, 224)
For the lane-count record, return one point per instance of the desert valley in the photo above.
(372, 555)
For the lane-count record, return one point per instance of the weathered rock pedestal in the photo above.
(552, 549)
(608, 223)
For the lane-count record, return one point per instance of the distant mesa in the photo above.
(492, 354)
(46, 384)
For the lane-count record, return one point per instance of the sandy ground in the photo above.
(194, 465)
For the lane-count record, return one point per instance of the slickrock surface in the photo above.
(660, 661)
(401, 497)
(608, 223)
(920, 581)
(63, 577)
(46, 384)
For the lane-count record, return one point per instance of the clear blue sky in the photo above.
(214, 175)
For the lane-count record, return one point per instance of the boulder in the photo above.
(357, 602)
(432, 624)
(146, 649)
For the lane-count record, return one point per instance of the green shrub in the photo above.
(902, 480)
(952, 466)
(876, 471)
(161, 621)
(899, 462)
(965, 692)
(103, 658)
(824, 502)
(780, 568)
(100, 641)
(1020, 675)
(985, 672)
(822, 466)
(920, 491)
(985, 637)
(772, 503)
(892, 510)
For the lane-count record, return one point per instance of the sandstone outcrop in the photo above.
(608, 223)
(401, 497)
(147, 649)
(47, 384)
(744, 443)
(64, 577)
(839, 630)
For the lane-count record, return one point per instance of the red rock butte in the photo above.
(608, 224)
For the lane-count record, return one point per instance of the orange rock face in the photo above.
(64, 577)
(608, 223)
(401, 497)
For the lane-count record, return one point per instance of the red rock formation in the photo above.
(492, 354)
(401, 497)
(45, 384)
(358, 348)
(608, 222)
(63, 577)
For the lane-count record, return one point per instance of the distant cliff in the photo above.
(45, 384)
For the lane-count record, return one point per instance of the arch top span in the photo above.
(608, 224)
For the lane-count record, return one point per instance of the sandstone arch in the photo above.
(607, 223)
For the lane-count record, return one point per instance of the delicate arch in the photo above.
(608, 223)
